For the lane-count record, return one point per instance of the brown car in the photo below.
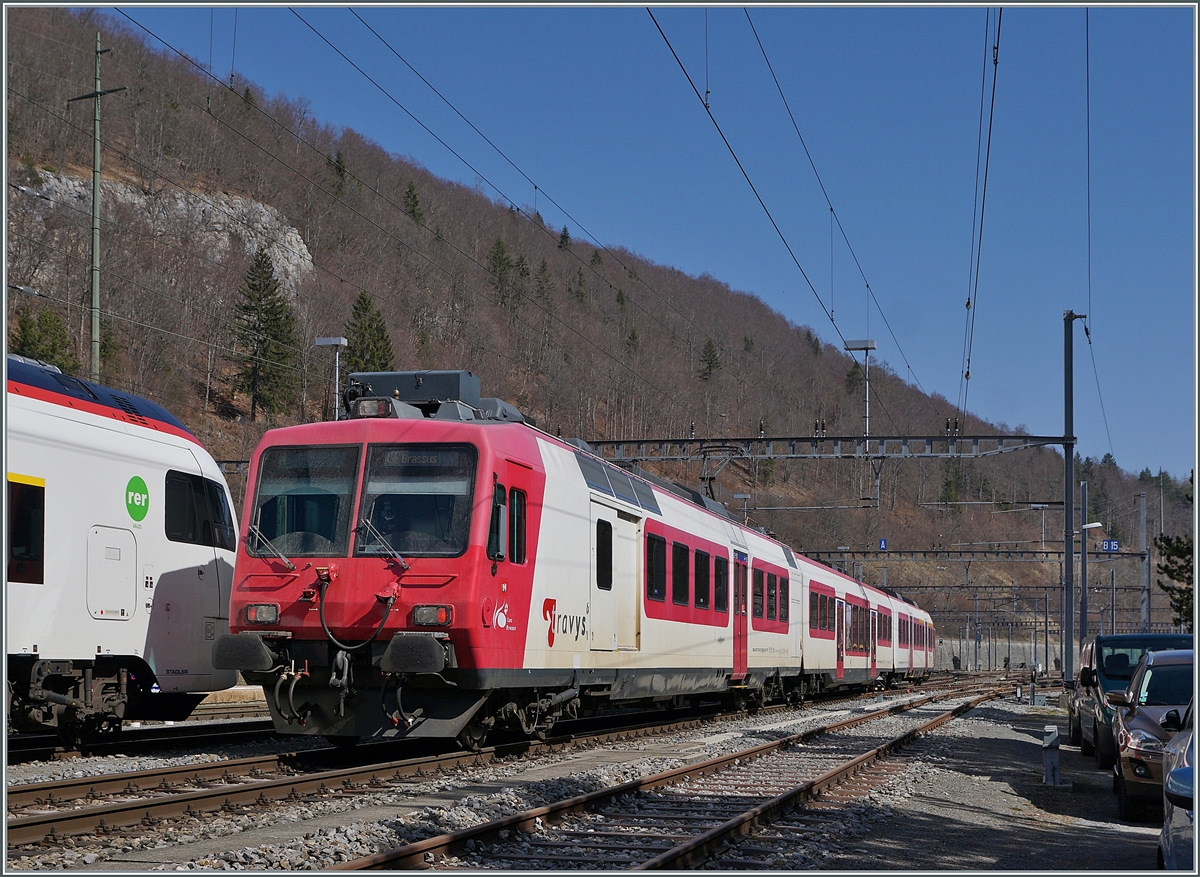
(1146, 715)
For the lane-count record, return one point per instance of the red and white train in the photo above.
(432, 565)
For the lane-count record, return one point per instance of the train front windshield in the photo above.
(418, 498)
(302, 501)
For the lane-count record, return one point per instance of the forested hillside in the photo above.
(204, 180)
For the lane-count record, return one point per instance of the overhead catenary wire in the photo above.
(758, 197)
(973, 294)
(537, 190)
(237, 131)
(1087, 78)
(833, 217)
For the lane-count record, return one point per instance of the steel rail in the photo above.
(414, 855)
(73, 788)
(700, 848)
(105, 817)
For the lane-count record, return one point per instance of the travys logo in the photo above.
(564, 624)
(137, 498)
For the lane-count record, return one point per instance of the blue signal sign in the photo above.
(1110, 545)
(883, 545)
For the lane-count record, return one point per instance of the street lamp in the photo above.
(1083, 585)
(337, 344)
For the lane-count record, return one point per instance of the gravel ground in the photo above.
(973, 799)
(970, 799)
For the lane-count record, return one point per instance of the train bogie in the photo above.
(120, 557)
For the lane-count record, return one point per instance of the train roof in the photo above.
(48, 383)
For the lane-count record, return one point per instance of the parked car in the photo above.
(1106, 664)
(1145, 717)
(1177, 841)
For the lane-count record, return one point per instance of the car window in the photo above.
(1169, 685)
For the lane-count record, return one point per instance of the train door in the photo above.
(874, 641)
(614, 579)
(111, 573)
(840, 639)
(186, 590)
(740, 561)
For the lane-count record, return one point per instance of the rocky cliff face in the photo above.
(218, 225)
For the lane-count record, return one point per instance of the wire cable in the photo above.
(833, 217)
(974, 298)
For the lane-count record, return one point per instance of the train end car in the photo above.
(120, 557)
(433, 565)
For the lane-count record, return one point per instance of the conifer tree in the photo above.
(543, 284)
(368, 344)
(1176, 564)
(500, 264)
(412, 204)
(265, 334)
(710, 362)
(43, 335)
(564, 239)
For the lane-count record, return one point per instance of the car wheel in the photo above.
(1085, 746)
(1076, 731)
(1129, 809)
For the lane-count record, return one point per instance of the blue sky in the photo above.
(591, 104)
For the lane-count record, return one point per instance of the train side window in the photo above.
(824, 612)
(604, 554)
(180, 509)
(702, 579)
(223, 531)
(656, 568)
(814, 610)
(758, 593)
(517, 527)
(497, 538)
(772, 594)
(680, 574)
(721, 584)
(785, 600)
(26, 533)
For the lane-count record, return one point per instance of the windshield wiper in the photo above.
(373, 531)
(258, 534)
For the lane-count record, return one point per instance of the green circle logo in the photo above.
(137, 498)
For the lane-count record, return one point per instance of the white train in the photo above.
(432, 565)
(120, 549)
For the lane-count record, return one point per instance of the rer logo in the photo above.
(137, 498)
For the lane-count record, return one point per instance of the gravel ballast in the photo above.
(969, 798)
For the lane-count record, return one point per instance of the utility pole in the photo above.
(96, 95)
(1083, 585)
(1145, 567)
(1047, 617)
(1069, 318)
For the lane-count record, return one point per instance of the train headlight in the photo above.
(373, 408)
(432, 616)
(262, 613)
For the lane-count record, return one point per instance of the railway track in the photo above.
(23, 748)
(40, 813)
(684, 818)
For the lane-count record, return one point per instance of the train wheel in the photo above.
(472, 736)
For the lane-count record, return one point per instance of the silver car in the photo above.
(1177, 841)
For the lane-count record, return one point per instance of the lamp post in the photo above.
(1083, 563)
(337, 344)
